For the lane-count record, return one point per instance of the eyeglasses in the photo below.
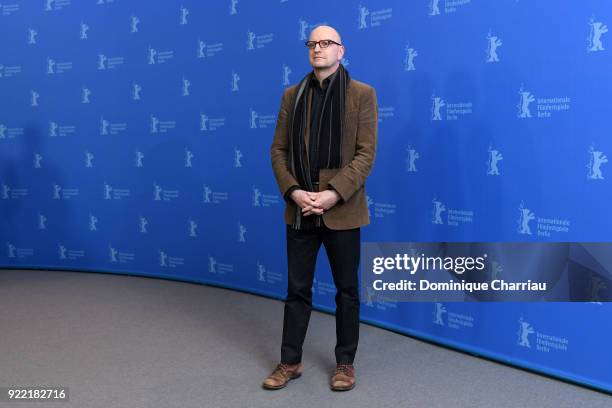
(322, 43)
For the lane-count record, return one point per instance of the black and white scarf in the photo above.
(326, 143)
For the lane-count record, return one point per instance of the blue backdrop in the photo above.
(135, 137)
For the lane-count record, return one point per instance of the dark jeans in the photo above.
(343, 250)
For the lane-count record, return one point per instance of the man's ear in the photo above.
(340, 53)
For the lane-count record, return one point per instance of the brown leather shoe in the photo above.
(281, 376)
(344, 378)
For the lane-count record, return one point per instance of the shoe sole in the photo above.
(343, 388)
(270, 387)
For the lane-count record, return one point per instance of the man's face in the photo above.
(322, 58)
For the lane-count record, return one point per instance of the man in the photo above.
(322, 153)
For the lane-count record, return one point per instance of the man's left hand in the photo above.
(324, 200)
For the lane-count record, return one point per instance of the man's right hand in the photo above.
(305, 200)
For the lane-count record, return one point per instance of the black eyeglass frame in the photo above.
(314, 44)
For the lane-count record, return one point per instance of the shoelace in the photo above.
(346, 369)
(282, 368)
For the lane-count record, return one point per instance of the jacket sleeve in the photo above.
(280, 148)
(352, 176)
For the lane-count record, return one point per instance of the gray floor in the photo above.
(121, 341)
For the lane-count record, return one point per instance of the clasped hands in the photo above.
(315, 202)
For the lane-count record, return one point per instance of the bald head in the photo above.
(324, 32)
(325, 61)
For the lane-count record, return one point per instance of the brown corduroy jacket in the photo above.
(358, 152)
